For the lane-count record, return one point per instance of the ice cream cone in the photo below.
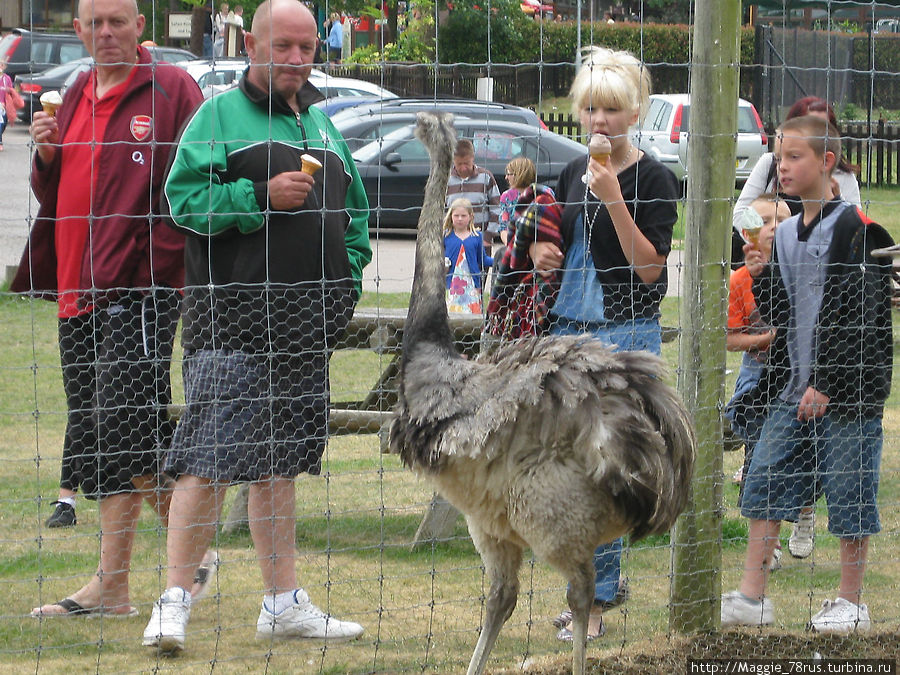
(751, 225)
(752, 236)
(50, 102)
(310, 164)
(599, 148)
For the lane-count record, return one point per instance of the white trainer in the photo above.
(775, 562)
(803, 536)
(841, 616)
(304, 620)
(737, 610)
(168, 621)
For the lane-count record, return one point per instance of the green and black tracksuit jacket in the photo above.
(259, 280)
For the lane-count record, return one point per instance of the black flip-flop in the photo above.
(74, 609)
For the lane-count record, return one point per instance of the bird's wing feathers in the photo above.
(571, 396)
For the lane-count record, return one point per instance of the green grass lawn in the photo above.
(421, 608)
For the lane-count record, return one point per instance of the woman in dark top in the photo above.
(618, 215)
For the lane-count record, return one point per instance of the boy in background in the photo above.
(825, 382)
(749, 334)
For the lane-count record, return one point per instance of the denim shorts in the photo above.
(791, 455)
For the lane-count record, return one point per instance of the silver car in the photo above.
(664, 134)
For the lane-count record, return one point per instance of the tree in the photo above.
(667, 11)
(463, 37)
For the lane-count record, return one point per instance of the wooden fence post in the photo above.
(697, 537)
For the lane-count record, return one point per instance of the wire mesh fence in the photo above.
(265, 363)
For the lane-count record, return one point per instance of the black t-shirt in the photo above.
(650, 192)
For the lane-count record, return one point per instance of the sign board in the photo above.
(484, 88)
(179, 25)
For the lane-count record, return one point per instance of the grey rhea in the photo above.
(503, 437)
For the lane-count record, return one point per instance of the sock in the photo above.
(749, 599)
(279, 602)
(186, 595)
(67, 500)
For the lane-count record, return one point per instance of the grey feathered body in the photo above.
(555, 443)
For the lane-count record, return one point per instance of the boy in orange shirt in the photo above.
(748, 333)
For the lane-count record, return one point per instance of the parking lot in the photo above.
(390, 271)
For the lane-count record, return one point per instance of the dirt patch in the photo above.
(673, 655)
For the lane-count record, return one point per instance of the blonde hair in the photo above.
(522, 171)
(459, 203)
(770, 198)
(610, 79)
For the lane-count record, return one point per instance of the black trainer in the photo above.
(63, 516)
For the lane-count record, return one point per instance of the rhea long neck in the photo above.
(427, 319)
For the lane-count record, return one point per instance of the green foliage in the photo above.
(463, 38)
(653, 43)
(884, 87)
(367, 54)
(844, 26)
(668, 11)
(410, 47)
(850, 111)
(414, 44)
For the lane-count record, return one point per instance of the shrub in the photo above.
(463, 38)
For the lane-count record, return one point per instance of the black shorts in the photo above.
(115, 366)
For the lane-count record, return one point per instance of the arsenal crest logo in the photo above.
(141, 126)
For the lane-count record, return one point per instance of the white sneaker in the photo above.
(304, 620)
(841, 616)
(737, 610)
(168, 621)
(803, 536)
(775, 562)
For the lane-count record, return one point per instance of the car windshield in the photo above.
(70, 80)
(370, 151)
(173, 56)
(61, 70)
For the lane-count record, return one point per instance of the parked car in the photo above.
(363, 124)
(664, 134)
(197, 68)
(335, 105)
(32, 86)
(340, 87)
(394, 169)
(883, 26)
(27, 52)
(214, 77)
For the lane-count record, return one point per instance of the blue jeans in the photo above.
(635, 335)
(207, 46)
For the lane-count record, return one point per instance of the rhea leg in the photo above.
(580, 596)
(501, 560)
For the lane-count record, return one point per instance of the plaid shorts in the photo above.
(250, 416)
